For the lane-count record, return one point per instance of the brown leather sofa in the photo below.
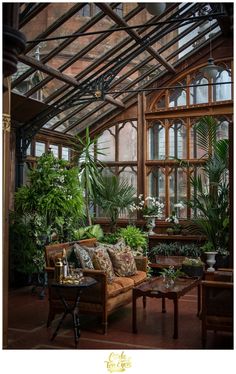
(101, 299)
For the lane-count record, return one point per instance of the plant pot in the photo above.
(193, 271)
(211, 260)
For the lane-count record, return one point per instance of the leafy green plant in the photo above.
(210, 200)
(193, 262)
(89, 168)
(208, 247)
(111, 238)
(164, 249)
(87, 232)
(114, 196)
(135, 238)
(52, 198)
(171, 273)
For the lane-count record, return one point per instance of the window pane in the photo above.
(223, 129)
(156, 184)
(28, 150)
(107, 141)
(39, 148)
(178, 189)
(54, 149)
(199, 94)
(223, 91)
(177, 140)
(156, 142)
(65, 152)
(195, 150)
(130, 175)
(177, 97)
(128, 141)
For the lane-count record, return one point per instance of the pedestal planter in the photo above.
(211, 260)
(151, 224)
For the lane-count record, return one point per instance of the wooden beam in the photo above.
(48, 70)
(107, 9)
(113, 101)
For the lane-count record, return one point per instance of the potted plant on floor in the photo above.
(210, 198)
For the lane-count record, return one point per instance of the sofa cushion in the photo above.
(119, 285)
(82, 257)
(123, 262)
(102, 261)
(139, 277)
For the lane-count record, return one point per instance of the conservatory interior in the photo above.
(118, 175)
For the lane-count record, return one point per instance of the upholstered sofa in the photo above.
(108, 294)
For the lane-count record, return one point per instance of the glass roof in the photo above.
(86, 60)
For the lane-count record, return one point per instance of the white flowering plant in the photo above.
(150, 206)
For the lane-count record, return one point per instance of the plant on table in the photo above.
(150, 206)
(169, 275)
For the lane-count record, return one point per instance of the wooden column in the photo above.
(141, 144)
(5, 199)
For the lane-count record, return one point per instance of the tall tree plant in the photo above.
(210, 198)
(89, 167)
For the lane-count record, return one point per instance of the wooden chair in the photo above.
(217, 303)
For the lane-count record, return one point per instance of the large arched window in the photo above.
(174, 154)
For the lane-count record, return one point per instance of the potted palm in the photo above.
(210, 199)
(114, 196)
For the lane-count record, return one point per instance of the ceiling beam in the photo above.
(108, 10)
(31, 12)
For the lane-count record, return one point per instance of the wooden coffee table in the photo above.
(156, 288)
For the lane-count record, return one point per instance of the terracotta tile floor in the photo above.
(28, 316)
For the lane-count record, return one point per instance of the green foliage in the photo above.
(87, 232)
(210, 199)
(111, 238)
(53, 197)
(171, 273)
(175, 249)
(51, 203)
(207, 247)
(193, 262)
(134, 237)
(89, 168)
(25, 255)
(114, 196)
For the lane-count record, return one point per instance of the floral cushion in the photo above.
(83, 257)
(123, 262)
(102, 261)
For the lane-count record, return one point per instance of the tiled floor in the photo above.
(28, 316)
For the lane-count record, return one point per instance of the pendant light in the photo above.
(156, 9)
(210, 71)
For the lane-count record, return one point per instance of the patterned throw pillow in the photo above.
(83, 257)
(123, 262)
(102, 261)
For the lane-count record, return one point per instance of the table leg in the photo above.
(176, 312)
(163, 302)
(76, 322)
(198, 300)
(134, 312)
(59, 325)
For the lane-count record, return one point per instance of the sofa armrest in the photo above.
(141, 263)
